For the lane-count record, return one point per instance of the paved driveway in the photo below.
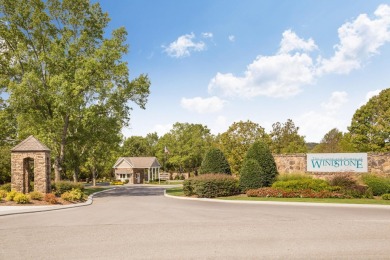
(140, 223)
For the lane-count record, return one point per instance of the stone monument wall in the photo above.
(296, 163)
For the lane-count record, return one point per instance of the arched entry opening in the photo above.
(28, 174)
(30, 161)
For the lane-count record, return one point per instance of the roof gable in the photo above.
(123, 164)
(137, 162)
(30, 144)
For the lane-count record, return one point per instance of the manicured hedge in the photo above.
(267, 192)
(302, 184)
(211, 186)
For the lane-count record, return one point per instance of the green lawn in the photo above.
(377, 201)
(172, 182)
(178, 191)
(89, 190)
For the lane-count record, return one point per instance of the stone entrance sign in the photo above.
(30, 160)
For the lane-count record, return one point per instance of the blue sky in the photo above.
(216, 62)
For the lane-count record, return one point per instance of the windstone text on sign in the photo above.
(337, 162)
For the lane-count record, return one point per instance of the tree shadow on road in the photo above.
(131, 191)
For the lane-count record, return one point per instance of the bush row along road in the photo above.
(140, 223)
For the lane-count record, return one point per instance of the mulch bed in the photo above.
(35, 203)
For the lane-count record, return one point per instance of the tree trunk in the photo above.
(93, 177)
(57, 169)
(60, 158)
(76, 174)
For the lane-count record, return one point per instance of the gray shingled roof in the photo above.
(139, 162)
(30, 144)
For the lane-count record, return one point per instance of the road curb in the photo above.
(282, 203)
(35, 209)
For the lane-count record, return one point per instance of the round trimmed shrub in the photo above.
(214, 162)
(252, 175)
(73, 195)
(10, 195)
(50, 198)
(21, 198)
(36, 195)
(386, 196)
(379, 185)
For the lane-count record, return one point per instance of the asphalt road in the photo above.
(140, 223)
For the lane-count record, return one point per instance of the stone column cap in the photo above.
(30, 144)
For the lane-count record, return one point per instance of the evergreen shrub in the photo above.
(260, 152)
(187, 187)
(252, 175)
(379, 185)
(214, 162)
(60, 187)
(211, 186)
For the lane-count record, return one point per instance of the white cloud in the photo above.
(207, 35)
(161, 129)
(369, 95)
(220, 125)
(232, 38)
(281, 75)
(335, 102)
(291, 42)
(285, 73)
(359, 40)
(315, 124)
(203, 105)
(183, 46)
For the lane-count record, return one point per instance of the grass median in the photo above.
(178, 191)
(89, 190)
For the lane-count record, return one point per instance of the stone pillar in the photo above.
(19, 171)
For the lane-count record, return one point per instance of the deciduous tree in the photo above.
(235, 142)
(187, 143)
(285, 138)
(57, 63)
(370, 126)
